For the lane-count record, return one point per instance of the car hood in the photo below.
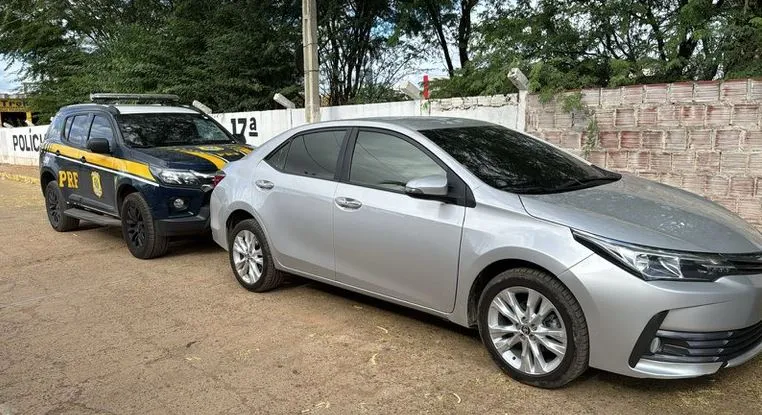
(643, 212)
(202, 158)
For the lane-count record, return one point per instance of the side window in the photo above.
(101, 128)
(277, 159)
(315, 154)
(56, 128)
(78, 130)
(389, 162)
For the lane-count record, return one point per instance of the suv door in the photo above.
(75, 133)
(386, 241)
(97, 185)
(296, 185)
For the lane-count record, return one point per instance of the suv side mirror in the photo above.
(98, 145)
(239, 138)
(428, 187)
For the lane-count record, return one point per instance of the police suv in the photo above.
(148, 166)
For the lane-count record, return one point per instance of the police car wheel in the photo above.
(251, 259)
(138, 229)
(55, 206)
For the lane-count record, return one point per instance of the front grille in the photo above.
(745, 263)
(707, 347)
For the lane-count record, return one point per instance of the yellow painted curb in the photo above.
(19, 178)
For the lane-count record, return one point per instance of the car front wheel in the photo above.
(138, 229)
(533, 328)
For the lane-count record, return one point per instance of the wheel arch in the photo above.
(46, 176)
(123, 189)
(491, 271)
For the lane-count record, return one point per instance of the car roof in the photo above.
(418, 123)
(132, 109)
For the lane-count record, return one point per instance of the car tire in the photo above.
(55, 205)
(139, 229)
(251, 259)
(553, 334)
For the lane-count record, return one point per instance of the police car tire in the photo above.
(64, 223)
(271, 278)
(155, 245)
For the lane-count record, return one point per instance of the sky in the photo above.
(8, 81)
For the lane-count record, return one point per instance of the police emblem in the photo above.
(210, 148)
(97, 188)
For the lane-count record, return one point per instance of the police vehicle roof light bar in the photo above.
(116, 98)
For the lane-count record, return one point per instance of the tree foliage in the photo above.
(579, 43)
(235, 54)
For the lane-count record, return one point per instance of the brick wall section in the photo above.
(705, 137)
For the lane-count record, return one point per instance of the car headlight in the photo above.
(176, 177)
(661, 264)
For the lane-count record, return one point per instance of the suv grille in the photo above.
(708, 347)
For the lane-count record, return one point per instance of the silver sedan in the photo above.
(560, 264)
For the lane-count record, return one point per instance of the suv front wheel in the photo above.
(138, 229)
(534, 328)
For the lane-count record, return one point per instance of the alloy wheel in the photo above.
(527, 330)
(135, 226)
(53, 211)
(248, 257)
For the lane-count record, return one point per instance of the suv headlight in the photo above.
(661, 264)
(176, 177)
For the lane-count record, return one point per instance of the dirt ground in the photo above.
(87, 328)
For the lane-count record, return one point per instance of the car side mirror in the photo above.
(98, 145)
(239, 138)
(428, 187)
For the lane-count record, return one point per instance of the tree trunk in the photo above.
(437, 22)
(464, 30)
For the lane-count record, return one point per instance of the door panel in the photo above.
(399, 246)
(295, 188)
(98, 185)
(297, 212)
(387, 241)
(69, 173)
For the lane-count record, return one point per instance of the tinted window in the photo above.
(315, 154)
(278, 158)
(386, 161)
(78, 130)
(56, 128)
(157, 130)
(515, 162)
(101, 128)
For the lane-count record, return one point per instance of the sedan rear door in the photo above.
(297, 183)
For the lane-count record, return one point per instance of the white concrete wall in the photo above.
(21, 145)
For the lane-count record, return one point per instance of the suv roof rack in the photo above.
(117, 98)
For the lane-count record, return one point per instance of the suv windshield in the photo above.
(511, 161)
(161, 129)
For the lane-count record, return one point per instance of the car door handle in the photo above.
(348, 203)
(83, 159)
(264, 184)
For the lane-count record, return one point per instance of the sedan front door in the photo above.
(387, 242)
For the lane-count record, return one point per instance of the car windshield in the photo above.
(161, 129)
(512, 161)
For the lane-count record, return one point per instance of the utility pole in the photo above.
(309, 42)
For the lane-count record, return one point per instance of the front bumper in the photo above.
(187, 225)
(700, 324)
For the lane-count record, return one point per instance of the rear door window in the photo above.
(315, 154)
(77, 134)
